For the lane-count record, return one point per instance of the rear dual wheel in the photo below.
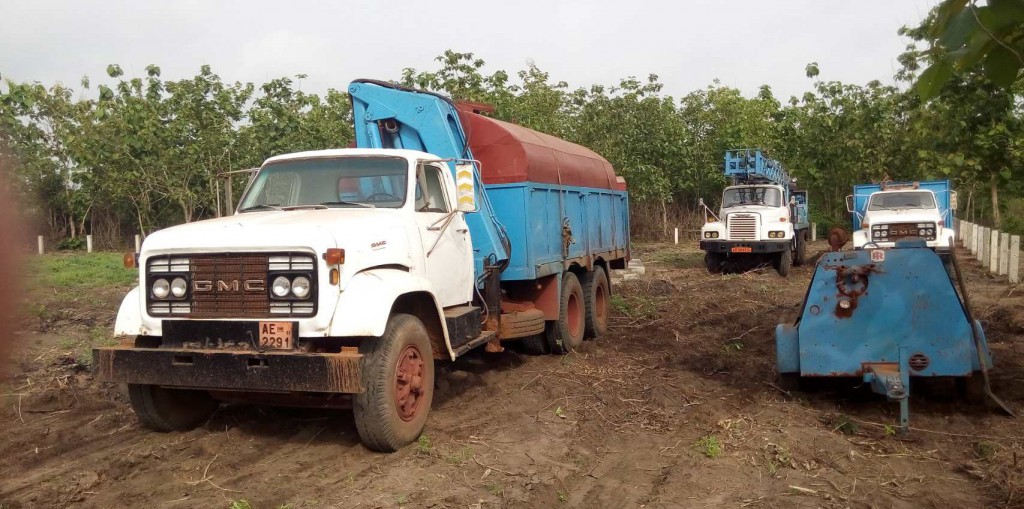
(566, 333)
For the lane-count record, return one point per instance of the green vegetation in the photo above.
(240, 504)
(141, 153)
(79, 271)
(423, 445)
(709, 446)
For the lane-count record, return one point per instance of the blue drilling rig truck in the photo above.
(763, 217)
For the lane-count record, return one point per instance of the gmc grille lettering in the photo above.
(249, 285)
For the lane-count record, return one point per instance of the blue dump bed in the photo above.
(534, 214)
(942, 189)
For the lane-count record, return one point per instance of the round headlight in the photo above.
(178, 287)
(281, 286)
(300, 287)
(878, 234)
(931, 231)
(161, 288)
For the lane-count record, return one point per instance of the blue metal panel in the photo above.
(907, 301)
(746, 164)
(533, 217)
(943, 196)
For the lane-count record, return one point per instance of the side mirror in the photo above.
(952, 200)
(465, 188)
(849, 203)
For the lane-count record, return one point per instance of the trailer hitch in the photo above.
(892, 380)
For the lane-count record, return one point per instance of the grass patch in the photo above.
(678, 259)
(709, 446)
(240, 504)
(79, 270)
(635, 306)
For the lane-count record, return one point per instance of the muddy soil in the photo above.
(678, 406)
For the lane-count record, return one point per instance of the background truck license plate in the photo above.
(741, 249)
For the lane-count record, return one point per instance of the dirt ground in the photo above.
(678, 406)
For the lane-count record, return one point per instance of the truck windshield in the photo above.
(327, 182)
(902, 200)
(736, 196)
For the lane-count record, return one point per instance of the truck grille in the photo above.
(230, 285)
(742, 227)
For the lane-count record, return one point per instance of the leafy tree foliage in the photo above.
(139, 153)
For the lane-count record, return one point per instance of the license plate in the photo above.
(742, 249)
(276, 335)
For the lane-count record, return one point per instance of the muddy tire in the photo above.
(570, 327)
(163, 409)
(801, 248)
(398, 385)
(597, 297)
(784, 262)
(713, 261)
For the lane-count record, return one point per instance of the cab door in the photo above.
(447, 248)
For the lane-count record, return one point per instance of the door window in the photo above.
(430, 195)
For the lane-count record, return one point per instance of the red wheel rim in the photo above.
(573, 315)
(409, 388)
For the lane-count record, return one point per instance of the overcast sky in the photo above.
(688, 43)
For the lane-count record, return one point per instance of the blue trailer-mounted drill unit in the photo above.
(885, 316)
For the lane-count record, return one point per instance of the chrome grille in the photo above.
(742, 227)
(218, 288)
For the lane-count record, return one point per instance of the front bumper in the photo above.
(726, 246)
(254, 371)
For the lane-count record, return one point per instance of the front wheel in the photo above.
(801, 248)
(163, 409)
(713, 261)
(398, 385)
(785, 262)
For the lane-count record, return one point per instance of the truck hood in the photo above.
(274, 230)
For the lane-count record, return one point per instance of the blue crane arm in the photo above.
(389, 116)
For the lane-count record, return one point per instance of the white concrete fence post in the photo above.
(138, 243)
(677, 235)
(814, 232)
(42, 244)
(88, 243)
(993, 252)
(986, 234)
(1014, 272)
(960, 223)
(974, 240)
(1004, 253)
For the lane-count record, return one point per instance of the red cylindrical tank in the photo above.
(511, 153)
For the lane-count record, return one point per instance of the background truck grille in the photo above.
(742, 227)
(230, 285)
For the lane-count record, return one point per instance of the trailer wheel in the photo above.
(570, 328)
(162, 409)
(713, 261)
(801, 248)
(596, 295)
(784, 262)
(398, 385)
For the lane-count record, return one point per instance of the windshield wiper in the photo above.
(336, 203)
(260, 207)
